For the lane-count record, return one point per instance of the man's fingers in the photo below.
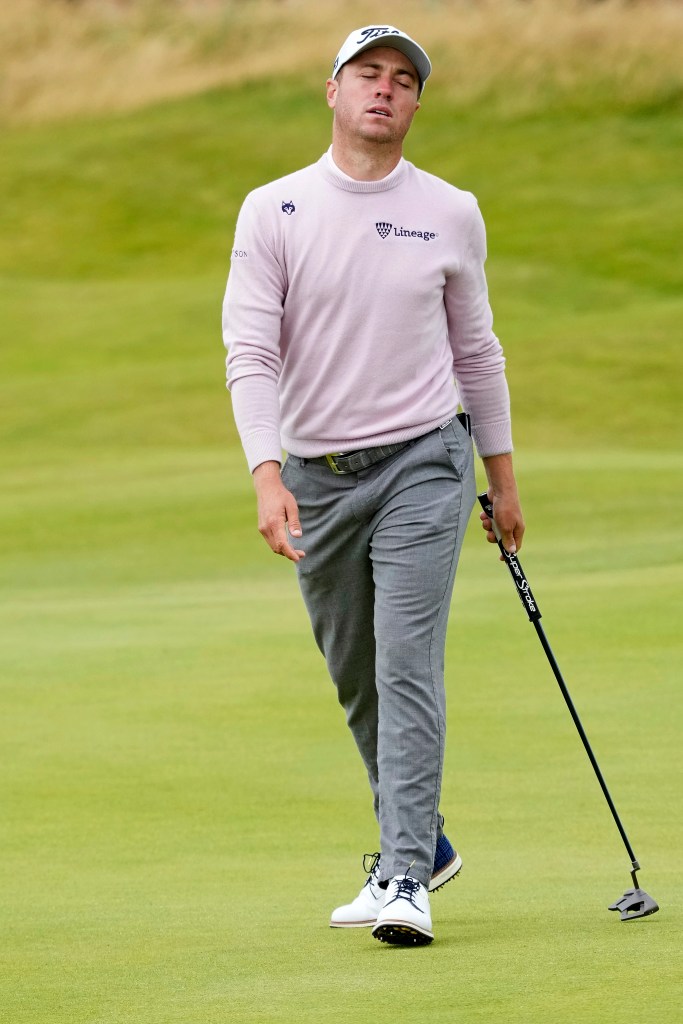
(292, 513)
(519, 534)
(487, 527)
(276, 538)
(508, 542)
(293, 554)
(511, 538)
(278, 513)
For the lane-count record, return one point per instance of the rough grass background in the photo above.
(59, 58)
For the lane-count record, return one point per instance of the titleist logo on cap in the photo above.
(384, 35)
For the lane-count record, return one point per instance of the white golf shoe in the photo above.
(363, 911)
(405, 919)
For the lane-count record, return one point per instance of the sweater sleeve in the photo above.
(478, 361)
(252, 314)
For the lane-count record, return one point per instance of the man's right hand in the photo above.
(277, 511)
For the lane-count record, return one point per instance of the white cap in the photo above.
(384, 35)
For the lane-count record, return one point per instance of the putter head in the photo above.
(635, 903)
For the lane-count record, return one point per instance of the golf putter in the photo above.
(635, 902)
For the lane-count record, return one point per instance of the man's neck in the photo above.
(372, 164)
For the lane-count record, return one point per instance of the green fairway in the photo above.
(183, 805)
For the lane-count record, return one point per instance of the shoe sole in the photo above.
(399, 934)
(447, 872)
(354, 924)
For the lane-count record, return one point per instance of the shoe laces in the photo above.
(407, 888)
(370, 866)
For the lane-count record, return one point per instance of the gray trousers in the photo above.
(382, 547)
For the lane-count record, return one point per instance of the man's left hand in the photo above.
(507, 511)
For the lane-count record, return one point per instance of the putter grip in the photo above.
(518, 578)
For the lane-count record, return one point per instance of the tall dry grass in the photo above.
(62, 58)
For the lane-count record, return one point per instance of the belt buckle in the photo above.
(333, 465)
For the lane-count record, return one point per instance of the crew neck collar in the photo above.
(338, 177)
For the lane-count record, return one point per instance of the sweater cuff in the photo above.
(492, 438)
(261, 446)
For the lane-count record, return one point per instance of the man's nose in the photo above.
(384, 87)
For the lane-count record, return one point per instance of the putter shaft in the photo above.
(584, 739)
(534, 614)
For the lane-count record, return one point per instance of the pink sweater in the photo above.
(357, 314)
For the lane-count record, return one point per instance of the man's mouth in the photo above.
(382, 111)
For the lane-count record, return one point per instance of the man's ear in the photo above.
(332, 87)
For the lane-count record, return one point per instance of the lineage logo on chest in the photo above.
(384, 228)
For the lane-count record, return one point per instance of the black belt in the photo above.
(353, 462)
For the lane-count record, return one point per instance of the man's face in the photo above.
(374, 97)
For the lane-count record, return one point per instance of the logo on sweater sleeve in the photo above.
(383, 228)
(288, 208)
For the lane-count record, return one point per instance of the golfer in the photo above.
(357, 325)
